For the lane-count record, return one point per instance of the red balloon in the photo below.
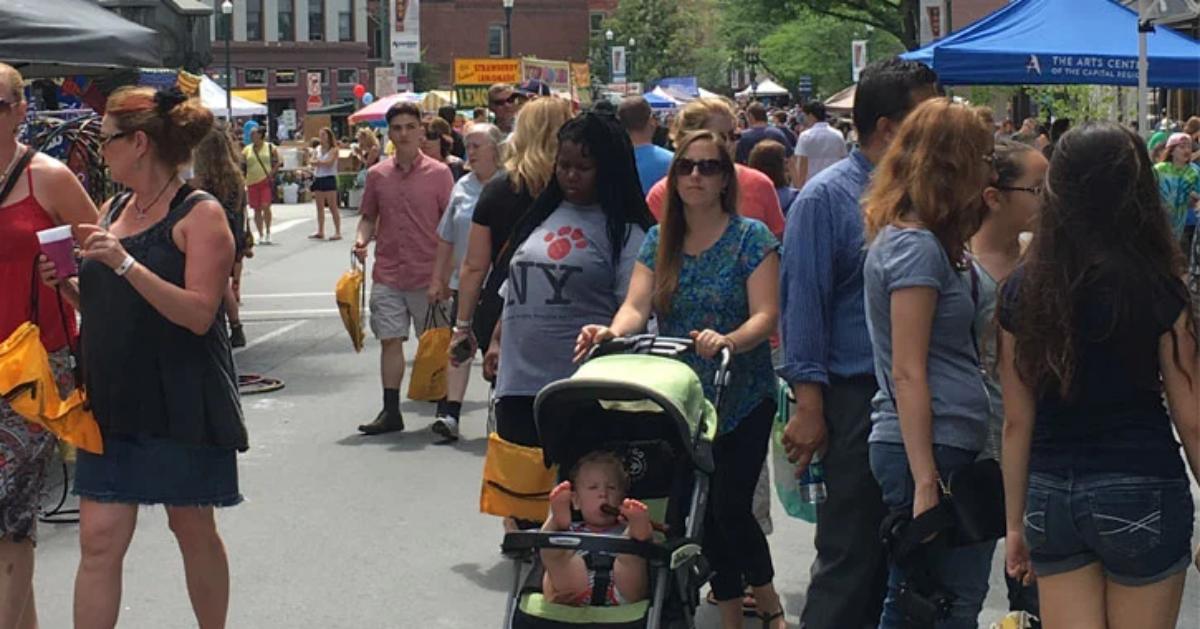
(359, 90)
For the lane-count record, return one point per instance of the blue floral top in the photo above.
(712, 295)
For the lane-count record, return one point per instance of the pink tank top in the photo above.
(19, 224)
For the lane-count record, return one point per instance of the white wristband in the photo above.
(125, 266)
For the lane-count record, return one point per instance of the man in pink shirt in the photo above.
(402, 203)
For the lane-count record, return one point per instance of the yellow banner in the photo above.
(487, 71)
(581, 75)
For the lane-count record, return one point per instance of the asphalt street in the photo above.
(339, 530)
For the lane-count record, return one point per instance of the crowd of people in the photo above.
(888, 281)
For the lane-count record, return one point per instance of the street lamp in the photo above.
(612, 68)
(751, 53)
(227, 11)
(508, 6)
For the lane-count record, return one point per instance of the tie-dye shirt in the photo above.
(1177, 185)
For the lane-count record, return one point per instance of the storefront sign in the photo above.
(489, 71)
(314, 90)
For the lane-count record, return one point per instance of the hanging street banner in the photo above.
(858, 57)
(556, 74)
(618, 64)
(581, 75)
(406, 32)
(314, 90)
(486, 71)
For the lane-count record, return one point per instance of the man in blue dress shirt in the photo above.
(827, 354)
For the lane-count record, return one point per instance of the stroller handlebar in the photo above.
(670, 347)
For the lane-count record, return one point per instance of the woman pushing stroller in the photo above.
(711, 274)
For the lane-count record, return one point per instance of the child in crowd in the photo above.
(597, 490)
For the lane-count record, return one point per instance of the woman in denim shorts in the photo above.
(1096, 328)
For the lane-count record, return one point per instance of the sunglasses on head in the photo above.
(707, 167)
(106, 139)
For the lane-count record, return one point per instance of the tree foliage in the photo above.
(818, 46)
(901, 18)
(674, 38)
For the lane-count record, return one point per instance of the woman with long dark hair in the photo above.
(1095, 329)
(527, 163)
(216, 171)
(569, 265)
(712, 275)
(929, 417)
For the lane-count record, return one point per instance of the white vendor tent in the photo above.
(766, 87)
(213, 97)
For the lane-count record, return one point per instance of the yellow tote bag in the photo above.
(516, 481)
(27, 384)
(351, 297)
(428, 382)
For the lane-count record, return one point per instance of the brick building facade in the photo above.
(547, 29)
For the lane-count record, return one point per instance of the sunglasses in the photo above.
(5, 105)
(506, 101)
(1034, 190)
(105, 139)
(707, 167)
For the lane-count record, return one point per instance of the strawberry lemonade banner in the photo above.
(556, 74)
(486, 71)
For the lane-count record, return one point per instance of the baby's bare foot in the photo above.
(560, 508)
(638, 516)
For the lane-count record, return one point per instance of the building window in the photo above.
(254, 20)
(287, 20)
(255, 76)
(495, 40)
(347, 76)
(345, 17)
(316, 20)
(596, 23)
(285, 77)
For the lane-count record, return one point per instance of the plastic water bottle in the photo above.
(812, 483)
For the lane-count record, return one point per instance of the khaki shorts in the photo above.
(393, 312)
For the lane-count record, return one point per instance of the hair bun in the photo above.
(167, 99)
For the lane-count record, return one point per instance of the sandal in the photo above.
(767, 619)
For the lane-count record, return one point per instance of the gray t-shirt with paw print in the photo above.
(561, 278)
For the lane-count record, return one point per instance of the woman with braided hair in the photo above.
(158, 365)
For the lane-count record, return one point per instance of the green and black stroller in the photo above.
(634, 398)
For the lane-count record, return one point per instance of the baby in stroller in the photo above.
(597, 489)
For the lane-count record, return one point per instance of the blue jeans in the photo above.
(1138, 528)
(962, 571)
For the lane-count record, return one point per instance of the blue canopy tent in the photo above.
(659, 100)
(1057, 42)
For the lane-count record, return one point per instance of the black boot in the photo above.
(384, 422)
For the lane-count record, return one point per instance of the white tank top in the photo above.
(326, 171)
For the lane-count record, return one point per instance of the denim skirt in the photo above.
(139, 469)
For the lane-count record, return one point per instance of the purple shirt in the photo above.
(407, 205)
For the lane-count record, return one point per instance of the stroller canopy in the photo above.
(633, 383)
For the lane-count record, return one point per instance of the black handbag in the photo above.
(975, 495)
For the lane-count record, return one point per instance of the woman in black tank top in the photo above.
(158, 367)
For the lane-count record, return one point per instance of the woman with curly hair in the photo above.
(929, 417)
(1096, 328)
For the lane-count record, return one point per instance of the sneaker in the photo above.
(384, 422)
(447, 427)
(237, 337)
